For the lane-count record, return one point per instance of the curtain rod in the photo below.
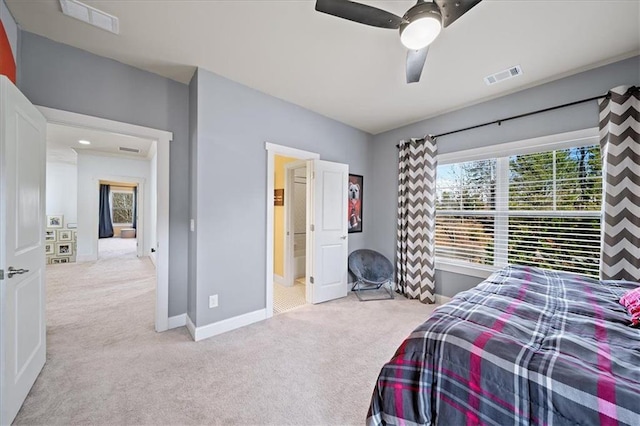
(526, 114)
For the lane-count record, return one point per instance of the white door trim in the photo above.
(162, 233)
(272, 151)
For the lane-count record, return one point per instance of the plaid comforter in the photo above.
(526, 346)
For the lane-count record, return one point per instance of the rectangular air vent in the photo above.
(503, 75)
(125, 149)
(90, 15)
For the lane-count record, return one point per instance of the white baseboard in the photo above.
(441, 300)
(177, 321)
(191, 327)
(210, 330)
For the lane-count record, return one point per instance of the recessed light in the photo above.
(83, 142)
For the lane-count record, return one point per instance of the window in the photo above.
(535, 208)
(122, 207)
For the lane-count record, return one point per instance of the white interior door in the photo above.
(22, 219)
(327, 219)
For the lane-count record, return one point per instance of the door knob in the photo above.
(344, 237)
(13, 271)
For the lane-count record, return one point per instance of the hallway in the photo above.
(96, 311)
(92, 299)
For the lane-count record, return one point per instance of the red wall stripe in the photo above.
(7, 61)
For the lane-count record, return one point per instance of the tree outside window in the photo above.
(122, 207)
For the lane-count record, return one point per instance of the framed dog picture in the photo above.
(354, 213)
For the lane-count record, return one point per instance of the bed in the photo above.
(526, 346)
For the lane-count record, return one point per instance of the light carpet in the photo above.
(116, 247)
(105, 364)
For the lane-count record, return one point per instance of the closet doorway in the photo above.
(290, 239)
(326, 247)
(295, 223)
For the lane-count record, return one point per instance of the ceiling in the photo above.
(62, 143)
(351, 72)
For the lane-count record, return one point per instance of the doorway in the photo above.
(295, 223)
(290, 235)
(276, 233)
(158, 194)
(326, 248)
(120, 222)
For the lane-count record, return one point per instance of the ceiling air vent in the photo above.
(125, 149)
(90, 15)
(503, 75)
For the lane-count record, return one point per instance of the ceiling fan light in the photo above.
(420, 33)
(421, 25)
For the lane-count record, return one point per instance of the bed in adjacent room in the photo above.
(526, 346)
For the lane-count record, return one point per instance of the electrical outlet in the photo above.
(192, 225)
(213, 301)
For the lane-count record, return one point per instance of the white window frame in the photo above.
(120, 191)
(502, 152)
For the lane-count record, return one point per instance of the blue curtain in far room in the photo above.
(134, 224)
(105, 226)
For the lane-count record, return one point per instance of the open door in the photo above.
(22, 257)
(327, 237)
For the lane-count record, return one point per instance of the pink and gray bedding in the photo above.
(631, 301)
(526, 346)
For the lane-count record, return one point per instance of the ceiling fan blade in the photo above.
(453, 9)
(415, 64)
(361, 13)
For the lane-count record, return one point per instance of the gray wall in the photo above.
(63, 77)
(579, 86)
(234, 122)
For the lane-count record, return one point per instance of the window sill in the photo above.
(465, 268)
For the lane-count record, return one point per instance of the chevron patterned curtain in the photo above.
(620, 147)
(415, 251)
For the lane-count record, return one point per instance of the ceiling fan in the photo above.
(419, 26)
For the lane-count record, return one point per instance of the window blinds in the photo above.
(540, 209)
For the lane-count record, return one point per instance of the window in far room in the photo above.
(535, 208)
(122, 207)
